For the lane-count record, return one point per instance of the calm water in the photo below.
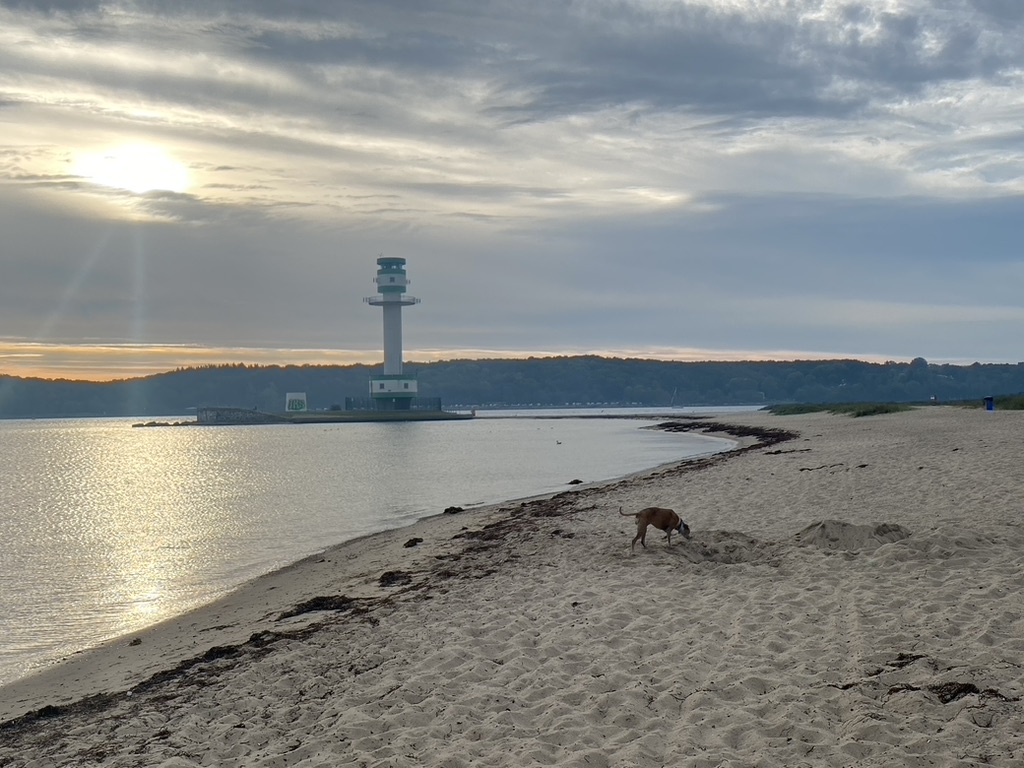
(105, 529)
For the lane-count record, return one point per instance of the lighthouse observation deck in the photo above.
(391, 299)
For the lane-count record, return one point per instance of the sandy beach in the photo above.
(851, 596)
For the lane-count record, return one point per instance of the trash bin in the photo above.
(990, 403)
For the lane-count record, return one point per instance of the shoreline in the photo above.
(849, 595)
(231, 552)
(113, 669)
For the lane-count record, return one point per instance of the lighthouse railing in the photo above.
(393, 298)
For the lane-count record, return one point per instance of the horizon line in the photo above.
(119, 361)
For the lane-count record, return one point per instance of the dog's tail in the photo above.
(627, 514)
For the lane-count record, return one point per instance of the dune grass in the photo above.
(1010, 403)
(855, 410)
(1003, 403)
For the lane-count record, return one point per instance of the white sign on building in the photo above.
(295, 401)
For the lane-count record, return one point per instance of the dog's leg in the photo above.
(641, 536)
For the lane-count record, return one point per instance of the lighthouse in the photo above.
(392, 390)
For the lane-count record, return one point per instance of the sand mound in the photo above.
(734, 547)
(837, 535)
(728, 547)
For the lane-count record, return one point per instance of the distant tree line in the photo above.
(553, 381)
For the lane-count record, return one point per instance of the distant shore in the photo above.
(852, 591)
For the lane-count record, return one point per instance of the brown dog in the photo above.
(661, 518)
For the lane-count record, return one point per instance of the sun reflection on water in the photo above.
(157, 533)
(124, 523)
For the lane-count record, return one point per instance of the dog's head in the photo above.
(684, 529)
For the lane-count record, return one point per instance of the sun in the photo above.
(136, 168)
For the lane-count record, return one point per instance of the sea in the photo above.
(106, 529)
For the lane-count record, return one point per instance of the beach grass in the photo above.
(1002, 403)
(849, 409)
(1010, 403)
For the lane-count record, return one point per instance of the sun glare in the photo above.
(134, 168)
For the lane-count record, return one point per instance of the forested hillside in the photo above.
(555, 381)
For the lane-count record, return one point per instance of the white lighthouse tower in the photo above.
(392, 390)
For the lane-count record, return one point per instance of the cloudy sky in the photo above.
(193, 181)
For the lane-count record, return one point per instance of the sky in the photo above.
(199, 182)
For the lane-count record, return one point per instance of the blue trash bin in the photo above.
(990, 403)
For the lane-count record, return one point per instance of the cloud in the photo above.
(697, 174)
(1001, 11)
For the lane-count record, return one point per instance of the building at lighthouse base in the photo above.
(393, 392)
